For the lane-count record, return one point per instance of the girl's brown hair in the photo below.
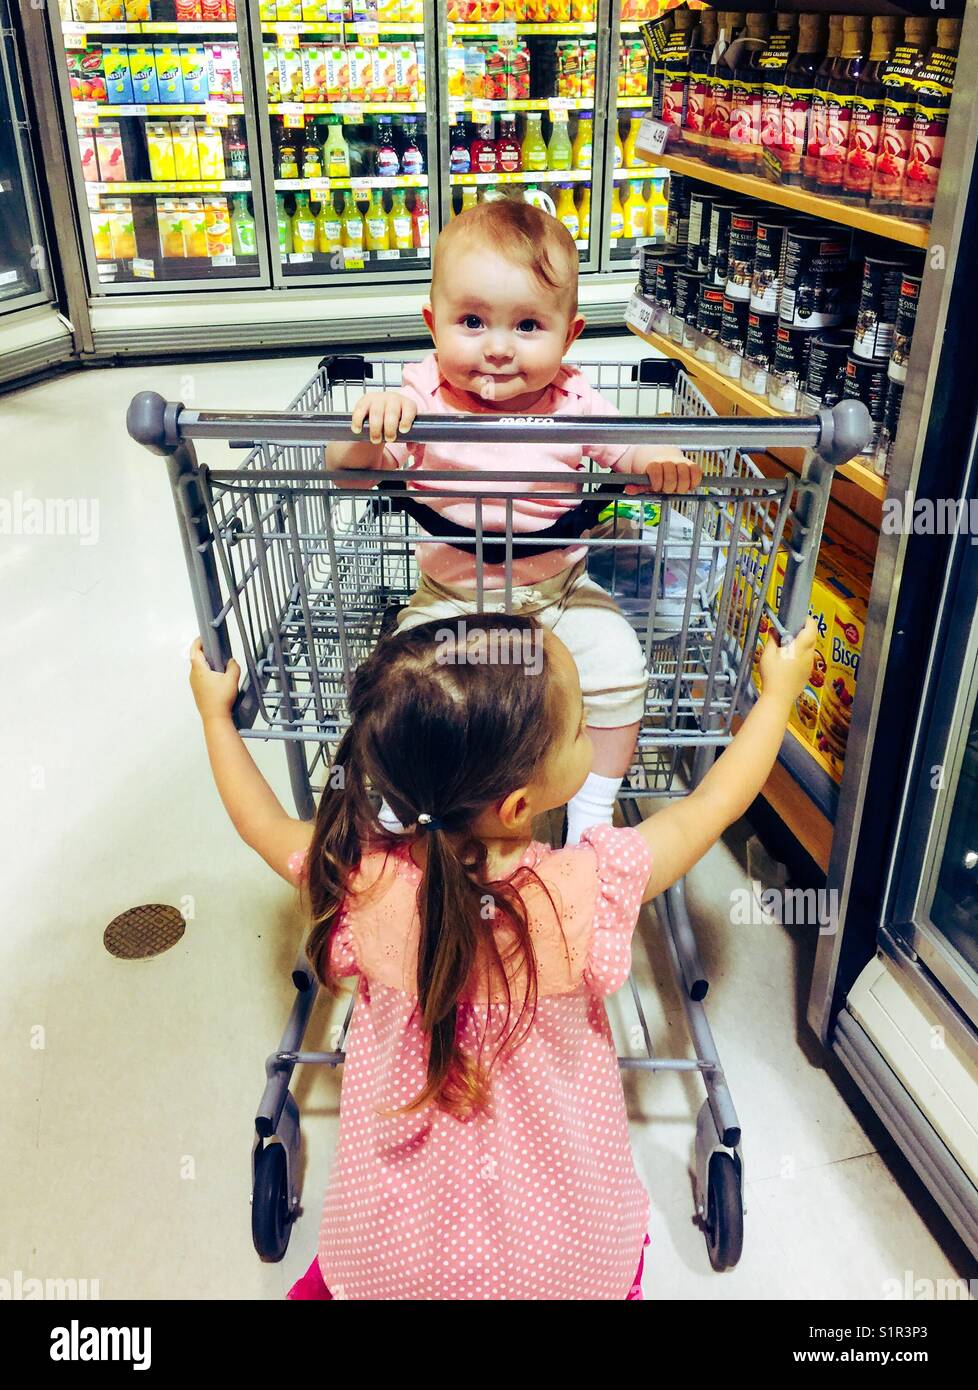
(438, 726)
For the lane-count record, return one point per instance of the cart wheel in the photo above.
(271, 1224)
(724, 1213)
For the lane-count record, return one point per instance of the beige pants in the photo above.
(609, 657)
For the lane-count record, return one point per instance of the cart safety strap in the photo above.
(572, 524)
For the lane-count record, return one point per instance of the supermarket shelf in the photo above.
(73, 29)
(527, 176)
(827, 209)
(637, 102)
(197, 186)
(754, 405)
(644, 171)
(317, 261)
(535, 104)
(510, 27)
(200, 108)
(351, 109)
(352, 27)
(364, 185)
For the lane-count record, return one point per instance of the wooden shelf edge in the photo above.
(786, 196)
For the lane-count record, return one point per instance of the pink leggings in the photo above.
(312, 1285)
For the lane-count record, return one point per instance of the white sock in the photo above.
(388, 819)
(594, 804)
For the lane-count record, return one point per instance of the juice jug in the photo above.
(658, 210)
(378, 232)
(412, 160)
(619, 149)
(282, 224)
(534, 148)
(559, 149)
(634, 210)
(617, 215)
(312, 159)
(288, 160)
(567, 210)
(303, 226)
(329, 229)
(386, 162)
(336, 152)
(581, 149)
(399, 222)
(584, 212)
(634, 124)
(420, 219)
(352, 221)
(470, 196)
(242, 227)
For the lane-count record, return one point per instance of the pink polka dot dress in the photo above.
(538, 1197)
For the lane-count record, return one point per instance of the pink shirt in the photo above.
(570, 393)
(538, 1199)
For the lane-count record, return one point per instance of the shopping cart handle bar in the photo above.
(837, 434)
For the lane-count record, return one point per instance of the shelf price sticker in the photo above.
(85, 108)
(639, 313)
(288, 35)
(349, 109)
(217, 112)
(388, 255)
(319, 186)
(300, 257)
(145, 269)
(560, 103)
(652, 135)
(361, 185)
(352, 258)
(86, 120)
(75, 35)
(223, 260)
(368, 33)
(293, 114)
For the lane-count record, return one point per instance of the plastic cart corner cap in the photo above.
(846, 430)
(152, 422)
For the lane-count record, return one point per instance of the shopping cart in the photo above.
(298, 574)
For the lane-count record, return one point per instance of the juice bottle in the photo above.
(399, 221)
(899, 99)
(534, 148)
(700, 57)
(866, 119)
(559, 150)
(329, 229)
(658, 210)
(617, 215)
(336, 152)
(584, 212)
(930, 122)
(217, 223)
(634, 210)
(815, 125)
(352, 222)
(774, 64)
(838, 106)
(619, 148)
(566, 209)
(796, 95)
(509, 156)
(484, 154)
(312, 159)
(282, 225)
(303, 226)
(377, 230)
(242, 227)
(470, 196)
(420, 219)
(386, 162)
(412, 160)
(744, 138)
(459, 156)
(634, 125)
(583, 142)
(237, 149)
(288, 159)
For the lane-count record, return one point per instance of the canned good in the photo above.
(719, 245)
(816, 274)
(733, 324)
(888, 429)
(759, 342)
(665, 280)
(788, 366)
(698, 246)
(677, 215)
(866, 381)
(740, 264)
(686, 301)
(765, 284)
(906, 316)
(709, 310)
(826, 372)
(878, 298)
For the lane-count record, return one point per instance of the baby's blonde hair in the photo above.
(520, 232)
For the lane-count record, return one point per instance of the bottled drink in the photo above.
(484, 154)
(675, 79)
(412, 160)
(631, 139)
(509, 156)
(744, 139)
(351, 222)
(386, 163)
(559, 149)
(617, 215)
(866, 118)
(303, 226)
(838, 106)
(658, 210)
(336, 152)
(899, 104)
(584, 212)
(329, 229)
(470, 196)
(237, 149)
(815, 125)
(420, 220)
(282, 225)
(635, 213)
(288, 159)
(242, 227)
(312, 159)
(375, 222)
(930, 122)
(796, 98)
(581, 149)
(534, 148)
(700, 58)
(459, 156)
(774, 64)
(399, 222)
(619, 149)
(566, 209)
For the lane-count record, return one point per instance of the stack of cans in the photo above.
(815, 295)
(896, 370)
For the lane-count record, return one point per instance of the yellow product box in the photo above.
(110, 12)
(169, 72)
(290, 74)
(313, 73)
(315, 11)
(159, 146)
(361, 71)
(194, 226)
(267, 11)
(101, 234)
(337, 73)
(805, 710)
(412, 11)
(194, 63)
(405, 72)
(218, 223)
(382, 74)
(475, 72)
(288, 10)
(456, 72)
(185, 154)
(121, 227)
(389, 11)
(270, 60)
(138, 11)
(170, 223)
(210, 152)
(843, 654)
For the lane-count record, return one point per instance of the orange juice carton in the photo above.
(382, 74)
(314, 11)
(844, 650)
(118, 78)
(86, 11)
(194, 226)
(475, 72)
(453, 10)
(456, 72)
(267, 11)
(273, 87)
(86, 74)
(137, 11)
(121, 227)
(101, 233)
(474, 11)
(237, 86)
(194, 65)
(405, 72)
(185, 154)
(210, 151)
(313, 73)
(159, 146)
(337, 73)
(86, 151)
(389, 12)
(288, 10)
(169, 73)
(170, 225)
(419, 48)
(493, 12)
(290, 74)
(142, 69)
(560, 11)
(111, 160)
(217, 220)
(361, 70)
(110, 12)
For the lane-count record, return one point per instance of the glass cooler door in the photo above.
(347, 125)
(521, 105)
(162, 137)
(24, 277)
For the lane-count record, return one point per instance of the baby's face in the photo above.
(500, 334)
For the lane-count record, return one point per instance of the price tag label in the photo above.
(223, 260)
(319, 186)
(507, 31)
(352, 258)
(218, 116)
(346, 108)
(560, 103)
(481, 111)
(299, 257)
(10, 276)
(361, 185)
(367, 33)
(558, 113)
(639, 313)
(288, 35)
(146, 270)
(75, 35)
(387, 255)
(652, 136)
(137, 110)
(293, 120)
(107, 271)
(86, 108)
(86, 122)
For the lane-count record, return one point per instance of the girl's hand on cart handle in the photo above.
(214, 691)
(786, 670)
(386, 413)
(667, 470)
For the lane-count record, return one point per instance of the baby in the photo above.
(502, 313)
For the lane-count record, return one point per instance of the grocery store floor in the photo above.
(130, 1088)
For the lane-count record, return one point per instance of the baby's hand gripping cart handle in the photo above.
(832, 435)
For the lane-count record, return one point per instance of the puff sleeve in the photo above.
(623, 865)
(342, 948)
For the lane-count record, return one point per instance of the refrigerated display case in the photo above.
(24, 275)
(637, 197)
(162, 139)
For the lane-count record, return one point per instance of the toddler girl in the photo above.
(503, 312)
(483, 1142)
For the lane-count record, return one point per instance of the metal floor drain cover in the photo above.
(144, 931)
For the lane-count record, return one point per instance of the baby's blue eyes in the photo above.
(472, 321)
(525, 325)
